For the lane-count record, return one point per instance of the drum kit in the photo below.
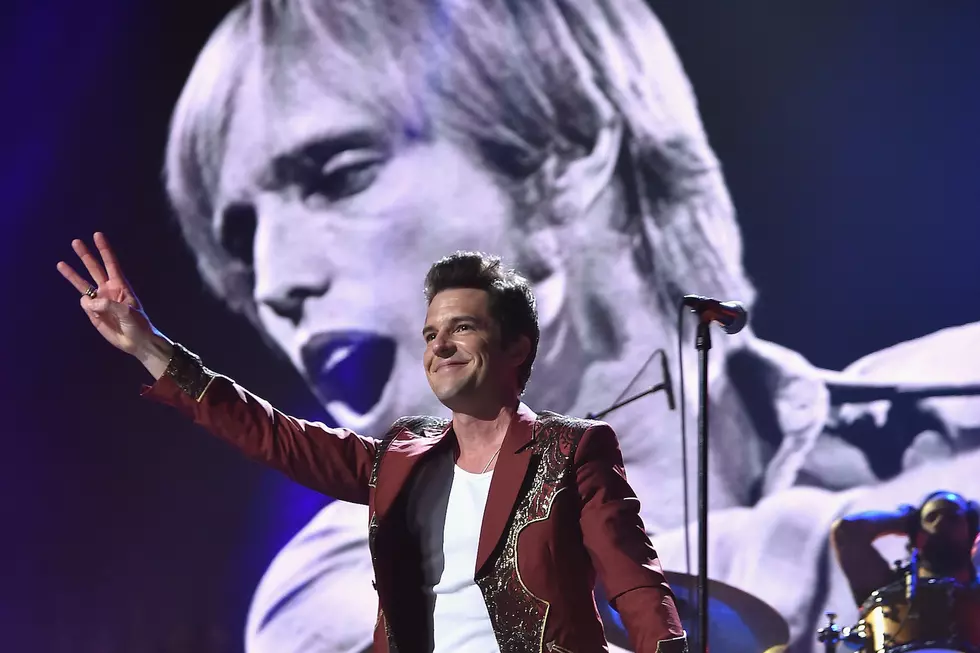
(939, 617)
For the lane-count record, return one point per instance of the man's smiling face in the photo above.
(464, 358)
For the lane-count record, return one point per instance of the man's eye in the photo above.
(236, 231)
(344, 176)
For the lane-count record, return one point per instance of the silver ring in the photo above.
(92, 292)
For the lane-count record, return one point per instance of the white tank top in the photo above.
(448, 515)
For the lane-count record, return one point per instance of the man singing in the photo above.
(487, 531)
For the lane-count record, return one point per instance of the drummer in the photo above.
(943, 531)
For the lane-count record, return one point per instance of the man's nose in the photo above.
(443, 347)
(291, 266)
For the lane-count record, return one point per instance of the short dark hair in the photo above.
(511, 302)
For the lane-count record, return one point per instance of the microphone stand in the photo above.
(912, 580)
(733, 318)
(703, 344)
(657, 388)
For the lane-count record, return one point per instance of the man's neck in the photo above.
(478, 432)
(963, 573)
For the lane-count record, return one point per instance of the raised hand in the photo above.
(911, 516)
(112, 306)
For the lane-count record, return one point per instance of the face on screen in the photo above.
(344, 217)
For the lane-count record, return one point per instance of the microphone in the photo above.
(668, 383)
(732, 316)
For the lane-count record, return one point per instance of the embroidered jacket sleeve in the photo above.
(336, 462)
(621, 552)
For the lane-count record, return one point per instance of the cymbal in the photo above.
(737, 621)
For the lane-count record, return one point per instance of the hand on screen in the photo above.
(112, 306)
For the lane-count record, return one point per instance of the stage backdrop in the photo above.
(277, 177)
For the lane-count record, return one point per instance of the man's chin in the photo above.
(455, 398)
(450, 400)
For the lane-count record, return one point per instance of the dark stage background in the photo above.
(848, 135)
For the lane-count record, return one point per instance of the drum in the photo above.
(937, 620)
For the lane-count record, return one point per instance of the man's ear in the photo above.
(574, 214)
(518, 351)
(542, 261)
(580, 182)
(566, 186)
(561, 196)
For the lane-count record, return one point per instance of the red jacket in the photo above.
(560, 510)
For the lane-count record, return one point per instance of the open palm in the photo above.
(114, 309)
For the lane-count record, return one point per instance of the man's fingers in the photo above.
(108, 256)
(89, 305)
(91, 263)
(68, 272)
(99, 305)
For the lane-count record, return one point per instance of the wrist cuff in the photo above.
(188, 372)
(673, 645)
